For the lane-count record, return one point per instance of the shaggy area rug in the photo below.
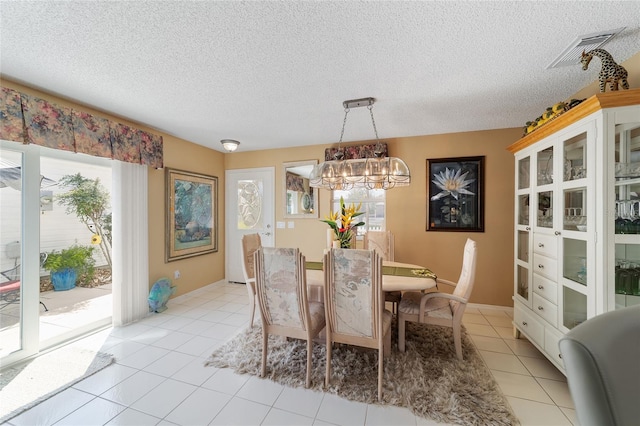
(427, 378)
(26, 384)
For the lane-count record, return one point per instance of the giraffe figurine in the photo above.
(611, 72)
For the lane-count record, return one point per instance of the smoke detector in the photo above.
(571, 55)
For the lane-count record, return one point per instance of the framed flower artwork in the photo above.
(191, 221)
(455, 194)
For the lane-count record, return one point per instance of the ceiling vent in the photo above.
(571, 55)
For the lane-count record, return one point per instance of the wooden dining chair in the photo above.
(281, 288)
(250, 243)
(438, 308)
(383, 243)
(354, 304)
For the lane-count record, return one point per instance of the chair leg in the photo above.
(387, 343)
(380, 372)
(401, 327)
(265, 340)
(457, 342)
(252, 302)
(327, 377)
(309, 353)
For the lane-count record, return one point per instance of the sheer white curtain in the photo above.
(130, 243)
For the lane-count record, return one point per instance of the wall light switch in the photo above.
(290, 224)
(280, 225)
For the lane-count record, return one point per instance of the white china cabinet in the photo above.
(577, 218)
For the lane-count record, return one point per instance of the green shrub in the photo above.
(75, 257)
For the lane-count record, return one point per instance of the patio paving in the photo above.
(67, 310)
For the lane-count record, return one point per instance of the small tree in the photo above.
(89, 200)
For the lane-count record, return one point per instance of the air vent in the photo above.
(571, 55)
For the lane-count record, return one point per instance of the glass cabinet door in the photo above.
(626, 274)
(523, 234)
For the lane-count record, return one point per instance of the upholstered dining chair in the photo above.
(354, 304)
(439, 308)
(383, 243)
(250, 243)
(281, 289)
(380, 241)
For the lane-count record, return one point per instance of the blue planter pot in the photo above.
(65, 279)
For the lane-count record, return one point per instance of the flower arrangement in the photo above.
(342, 222)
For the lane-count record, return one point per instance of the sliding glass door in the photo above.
(19, 254)
(52, 203)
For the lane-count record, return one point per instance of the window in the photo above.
(373, 206)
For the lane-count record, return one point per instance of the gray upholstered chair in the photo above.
(602, 360)
(442, 309)
(250, 243)
(281, 289)
(354, 304)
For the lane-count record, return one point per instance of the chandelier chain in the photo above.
(373, 121)
(344, 123)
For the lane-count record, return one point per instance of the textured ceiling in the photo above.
(274, 74)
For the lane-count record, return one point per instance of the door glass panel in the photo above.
(75, 222)
(523, 282)
(574, 260)
(545, 166)
(575, 203)
(523, 246)
(574, 157)
(10, 251)
(545, 209)
(250, 203)
(523, 209)
(627, 275)
(627, 176)
(524, 166)
(574, 308)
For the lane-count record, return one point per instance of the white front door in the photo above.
(249, 209)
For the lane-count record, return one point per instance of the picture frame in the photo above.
(455, 194)
(191, 214)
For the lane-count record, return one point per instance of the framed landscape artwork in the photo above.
(455, 194)
(191, 219)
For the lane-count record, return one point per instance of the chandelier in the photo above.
(378, 172)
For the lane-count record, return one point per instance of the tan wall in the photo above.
(179, 154)
(406, 208)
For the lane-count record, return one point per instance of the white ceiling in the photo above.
(274, 74)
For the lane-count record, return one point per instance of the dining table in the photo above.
(396, 276)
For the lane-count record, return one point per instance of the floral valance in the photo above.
(356, 151)
(27, 119)
(294, 182)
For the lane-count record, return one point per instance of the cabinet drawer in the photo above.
(545, 309)
(545, 266)
(532, 327)
(545, 288)
(545, 244)
(551, 339)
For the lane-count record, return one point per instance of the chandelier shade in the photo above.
(370, 173)
(376, 172)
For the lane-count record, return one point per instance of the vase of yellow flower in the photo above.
(342, 222)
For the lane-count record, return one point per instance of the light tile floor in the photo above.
(159, 377)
